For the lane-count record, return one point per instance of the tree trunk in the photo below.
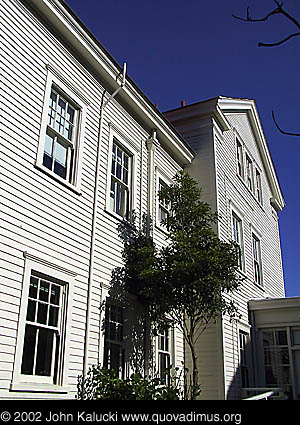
(195, 383)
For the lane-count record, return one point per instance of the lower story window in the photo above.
(164, 354)
(44, 328)
(277, 360)
(243, 341)
(114, 353)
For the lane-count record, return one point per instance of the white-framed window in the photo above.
(62, 131)
(41, 361)
(44, 328)
(237, 236)
(257, 264)
(277, 362)
(239, 157)
(244, 361)
(258, 186)
(162, 207)
(164, 353)
(120, 184)
(121, 176)
(114, 351)
(249, 173)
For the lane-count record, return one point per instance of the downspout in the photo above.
(152, 143)
(94, 220)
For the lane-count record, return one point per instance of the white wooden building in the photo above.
(74, 162)
(235, 169)
(81, 148)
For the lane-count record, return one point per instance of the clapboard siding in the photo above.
(40, 214)
(215, 169)
(232, 190)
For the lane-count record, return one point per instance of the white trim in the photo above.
(54, 78)
(132, 151)
(36, 261)
(240, 216)
(160, 175)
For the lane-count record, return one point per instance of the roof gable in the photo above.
(248, 106)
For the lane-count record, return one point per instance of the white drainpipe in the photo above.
(94, 218)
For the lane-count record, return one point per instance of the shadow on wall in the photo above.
(272, 372)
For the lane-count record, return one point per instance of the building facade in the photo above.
(75, 161)
(234, 168)
(82, 149)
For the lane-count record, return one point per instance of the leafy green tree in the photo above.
(187, 282)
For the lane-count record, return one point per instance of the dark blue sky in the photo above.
(195, 50)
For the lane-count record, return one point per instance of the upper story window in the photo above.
(256, 249)
(239, 155)
(120, 185)
(258, 186)
(163, 206)
(61, 135)
(249, 173)
(237, 234)
(62, 131)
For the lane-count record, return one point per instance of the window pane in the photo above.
(44, 291)
(44, 352)
(70, 114)
(268, 339)
(61, 109)
(48, 151)
(281, 338)
(296, 337)
(31, 308)
(53, 316)
(61, 153)
(53, 100)
(68, 131)
(33, 287)
(42, 313)
(28, 350)
(60, 165)
(55, 292)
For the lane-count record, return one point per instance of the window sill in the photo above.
(118, 217)
(259, 286)
(57, 178)
(161, 229)
(34, 387)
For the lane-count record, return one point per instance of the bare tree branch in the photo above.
(260, 44)
(282, 131)
(279, 10)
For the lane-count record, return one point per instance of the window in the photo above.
(258, 186)
(277, 360)
(249, 173)
(238, 239)
(239, 155)
(120, 185)
(61, 134)
(114, 353)
(163, 207)
(62, 130)
(41, 359)
(164, 353)
(257, 260)
(243, 341)
(44, 328)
